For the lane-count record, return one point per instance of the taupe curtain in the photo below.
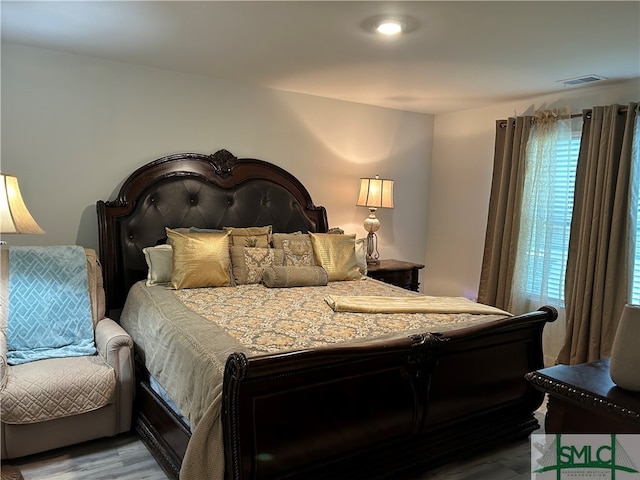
(504, 211)
(597, 280)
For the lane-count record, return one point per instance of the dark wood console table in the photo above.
(584, 399)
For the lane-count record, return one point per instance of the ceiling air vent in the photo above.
(581, 80)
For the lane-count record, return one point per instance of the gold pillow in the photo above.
(337, 255)
(199, 259)
(248, 263)
(250, 236)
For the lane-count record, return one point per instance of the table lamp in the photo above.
(374, 193)
(14, 215)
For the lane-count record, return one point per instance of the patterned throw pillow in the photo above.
(248, 263)
(298, 251)
(250, 236)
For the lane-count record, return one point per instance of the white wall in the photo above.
(461, 169)
(74, 127)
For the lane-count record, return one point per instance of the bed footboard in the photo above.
(372, 410)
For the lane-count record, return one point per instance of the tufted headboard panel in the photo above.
(195, 190)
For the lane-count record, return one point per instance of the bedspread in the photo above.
(266, 320)
(186, 349)
(186, 354)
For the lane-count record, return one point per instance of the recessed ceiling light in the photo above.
(389, 27)
(390, 24)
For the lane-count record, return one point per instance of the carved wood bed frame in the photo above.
(444, 396)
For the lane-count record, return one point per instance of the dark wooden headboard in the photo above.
(195, 190)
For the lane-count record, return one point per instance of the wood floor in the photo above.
(126, 458)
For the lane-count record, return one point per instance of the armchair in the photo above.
(55, 402)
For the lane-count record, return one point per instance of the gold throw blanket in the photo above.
(413, 304)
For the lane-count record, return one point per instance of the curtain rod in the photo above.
(586, 113)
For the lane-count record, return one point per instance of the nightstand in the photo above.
(396, 272)
(584, 399)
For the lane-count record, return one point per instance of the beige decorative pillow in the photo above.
(248, 263)
(298, 251)
(337, 255)
(285, 276)
(160, 263)
(361, 255)
(199, 259)
(250, 236)
(277, 238)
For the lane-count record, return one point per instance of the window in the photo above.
(547, 259)
(549, 285)
(635, 199)
(635, 289)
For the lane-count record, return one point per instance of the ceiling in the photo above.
(462, 54)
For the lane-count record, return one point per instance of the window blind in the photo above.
(564, 171)
(635, 199)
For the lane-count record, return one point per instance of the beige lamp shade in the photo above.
(375, 193)
(14, 215)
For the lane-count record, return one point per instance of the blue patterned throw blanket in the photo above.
(49, 305)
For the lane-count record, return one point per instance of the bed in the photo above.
(379, 407)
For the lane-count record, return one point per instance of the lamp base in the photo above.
(372, 249)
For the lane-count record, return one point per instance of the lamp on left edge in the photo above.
(14, 215)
